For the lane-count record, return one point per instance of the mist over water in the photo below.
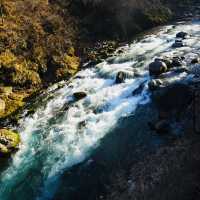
(55, 139)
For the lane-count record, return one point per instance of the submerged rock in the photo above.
(157, 67)
(79, 95)
(120, 78)
(9, 141)
(178, 44)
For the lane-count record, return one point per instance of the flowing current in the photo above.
(59, 136)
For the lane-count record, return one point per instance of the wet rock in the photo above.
(157, 67)
(120, 78)
(9, 141)
(182, 35)
(195, 61)
(154, 84)
(79, 95)
(168, 62)
(178, 44)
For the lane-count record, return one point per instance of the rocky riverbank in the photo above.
(43, 42)
(172, 171)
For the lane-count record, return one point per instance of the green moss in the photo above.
(9, 140)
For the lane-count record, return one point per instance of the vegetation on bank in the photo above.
(36, 49)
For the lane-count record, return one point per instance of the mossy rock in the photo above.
(9, 141)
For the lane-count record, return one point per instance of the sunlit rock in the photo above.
(9, 141)
(157, 67)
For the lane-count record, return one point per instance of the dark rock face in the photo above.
(173, 98)
(79, 95)
(120, 78)
(182, 35)
(157, 67)
(162, 126)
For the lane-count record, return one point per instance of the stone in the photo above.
(120, 77)
(157, 67)
(195, 61)
(167, 61)
(9, 141)
(154, 84)
(178, 44)
(182, 35)
(79, 95)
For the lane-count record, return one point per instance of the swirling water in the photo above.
(55, 139)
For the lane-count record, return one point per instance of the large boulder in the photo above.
(166, 60)
(157, 67)
(9, 141)
(182, 35)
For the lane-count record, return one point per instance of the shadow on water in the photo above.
(121, 147)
